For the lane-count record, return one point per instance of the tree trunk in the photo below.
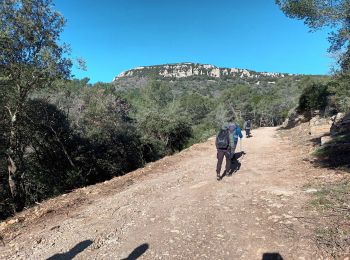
(63, 147)
(14, 180)
(12, 171)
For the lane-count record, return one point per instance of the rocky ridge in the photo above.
(185, 70)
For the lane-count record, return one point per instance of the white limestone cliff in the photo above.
(183, 70)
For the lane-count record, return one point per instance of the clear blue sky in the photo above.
(116, 35)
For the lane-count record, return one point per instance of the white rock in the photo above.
(311, 190)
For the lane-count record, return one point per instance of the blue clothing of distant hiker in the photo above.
(238, 134)
(235, 132)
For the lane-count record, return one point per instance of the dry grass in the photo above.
(331, 202)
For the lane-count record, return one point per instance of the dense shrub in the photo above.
(169, 132)
(314, 97)
(59, 156)
(340, 90)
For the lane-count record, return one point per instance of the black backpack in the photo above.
(222, 141)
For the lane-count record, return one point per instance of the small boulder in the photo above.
(294, 119)
(341, 124)
(319, 126)
(325, 139)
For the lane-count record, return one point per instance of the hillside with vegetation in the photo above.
(76, 134)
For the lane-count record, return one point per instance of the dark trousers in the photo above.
(220, 155)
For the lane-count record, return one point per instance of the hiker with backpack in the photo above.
(226, 142)
(247, 127)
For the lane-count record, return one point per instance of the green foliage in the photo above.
(314, 97)
(195, 106)
(157, 95)
(30, 54)
(31, 58)
(172, 131)
(340, 90)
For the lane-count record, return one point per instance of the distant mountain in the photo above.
(205, 79)
(195, 70)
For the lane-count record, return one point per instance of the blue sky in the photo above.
(116, 35)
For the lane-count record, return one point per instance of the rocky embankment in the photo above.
(322, 129)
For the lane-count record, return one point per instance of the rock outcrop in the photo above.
(320, 126)
(184, 70)
(293, 119)
(341, 124)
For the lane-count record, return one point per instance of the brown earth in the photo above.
(176, 209)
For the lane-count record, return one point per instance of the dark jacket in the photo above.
(247, 125)
(228, 140)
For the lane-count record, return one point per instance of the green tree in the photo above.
(340, 90)
(31, 58)
(157, 94)
(317, 14)
(314, 97)
(196, 106)
(168, 130)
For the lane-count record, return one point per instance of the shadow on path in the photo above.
(73, 252)
(235, 164)
(137, 252)
(272, 256)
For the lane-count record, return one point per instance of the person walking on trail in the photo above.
(248, 127)
(235, 133)
(226, 143)
(223, 150)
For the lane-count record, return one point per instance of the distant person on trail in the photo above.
(235, 132)
(226, 142)
(247, 127)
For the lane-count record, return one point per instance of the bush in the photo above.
(172, 132)
(340, 89)
(314, 97)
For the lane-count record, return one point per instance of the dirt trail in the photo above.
(175, 209)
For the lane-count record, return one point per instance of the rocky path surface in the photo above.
(176, 209)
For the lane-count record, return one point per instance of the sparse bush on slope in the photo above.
(314, 97)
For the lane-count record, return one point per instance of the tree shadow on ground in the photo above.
(137, 252)
(272, 256)
(73, 252)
